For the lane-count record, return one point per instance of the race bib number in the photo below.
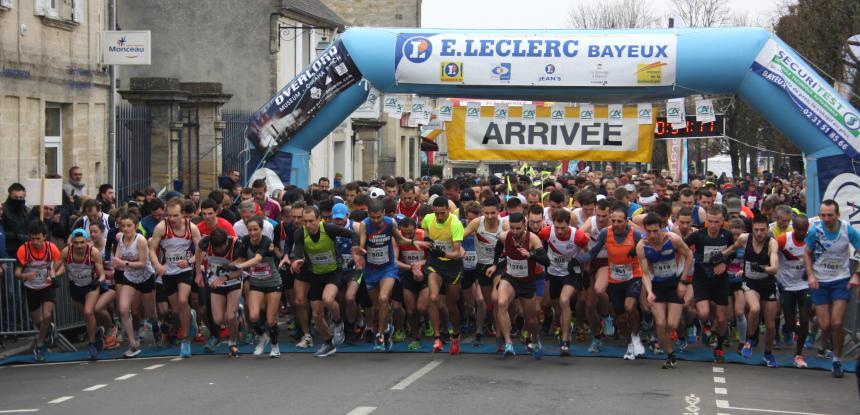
(347, 258)
(81, 278)
(175, 258)
(411, 257)
(752, 274)
(665, 268)
(558, 260)
(831, 266)
(261, 271)
(470, 260)
(377, 255)
(621, 272)
(323, 258)
(518, 268)
(443, 245)
(485, 252)
(711, 251)
(41, 277)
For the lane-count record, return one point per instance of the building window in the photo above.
(53, 139)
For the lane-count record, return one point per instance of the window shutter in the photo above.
(78, 8)
(42, 7)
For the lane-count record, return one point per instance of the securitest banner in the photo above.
(610, 60)
(300, 100)
(820, 103)
(601, 139)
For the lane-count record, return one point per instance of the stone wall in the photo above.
(378, 13)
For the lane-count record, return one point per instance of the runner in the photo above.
(832, 242)
(794, 294)
(734, 269)
(597, 305)
(104, 307)
(315, 264)
(563, 245)
(473, 301)
(710, 283)
(36, 259)
(134, 279)
(177, 238)
(82, 264)
(661, 256)
(519, 251)
(218, 251)
(416, 296)
(444, 269)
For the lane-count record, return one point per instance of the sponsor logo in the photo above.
(599, 75)
(451, 72)
(645, 113)
(550, 76)
(500, 113)
(529, 114)
(549, 69)
(316, 93)
(557, 114)
(845, 190)
(673, 111)
(502, 72)
(473, 112)
(852, 121)
(446, 110)
(650, 73)
(417, 49)
(586, 115)
(122, 46)
(615, 114)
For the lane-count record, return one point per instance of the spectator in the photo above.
(75, 188)
(15, 214)
(106, 197)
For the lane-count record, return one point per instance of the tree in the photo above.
(702, 13)
(613, 14)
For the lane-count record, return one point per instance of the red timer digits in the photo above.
(693, 128)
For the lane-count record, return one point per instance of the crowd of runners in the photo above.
(733, 264)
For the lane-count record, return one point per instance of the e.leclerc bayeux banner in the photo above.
(601, 139)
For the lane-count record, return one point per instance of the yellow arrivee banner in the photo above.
(601, 139)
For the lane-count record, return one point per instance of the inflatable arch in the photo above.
(742, 61)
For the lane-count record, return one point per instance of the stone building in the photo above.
(53, 91)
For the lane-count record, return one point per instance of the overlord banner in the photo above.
(301, 99)
(532, 59)
(597, 140)
(829, 112)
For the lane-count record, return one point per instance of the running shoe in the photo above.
(387, 336)
(799, 362)
(825, 354)
(691, 334)
(669, 363)
(52, 334)
(428, 331)
(210, 344)
(638, 348)
(455, 345)
(509, 350)
(194, 329)
(746, 352)
(133, 350)
(608, 326)
(399, 336)
(327, 349)
(477, 341)
(788, 340)
(837, 370)
(538, 352)
(564, 349)
(631, 352)
(809, 343)
(770, 360)
(337, 333)
(200, 337)
(414, 345)
(306, 342)
(185, 349)
(111, 342)
(275, 352)
(379, 342)
(262, 342)
(681, 344)
(100, 339)
(706, 334)
(719, 355)
(93, 351)
(500, 344)
(39, 353)
(596, 344)
(234, 351)
(437, 345)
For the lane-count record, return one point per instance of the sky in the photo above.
(546, 14)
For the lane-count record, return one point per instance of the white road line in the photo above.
(722, 404)
(719, 379)
(18, 411)
(772, 411)
(153, 367)
(176, 359)
(95, 387)
(719, 369)
(415, 376)
(721, 391)
(362, 410)
(61, 399)
(126, 376)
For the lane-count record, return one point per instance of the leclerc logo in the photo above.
(417, 49)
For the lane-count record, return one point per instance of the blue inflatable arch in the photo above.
(708, 61)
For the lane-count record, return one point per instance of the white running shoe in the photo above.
(276, 351)
(262, 341)
(631, 354)
(638, 347)
(306, 342)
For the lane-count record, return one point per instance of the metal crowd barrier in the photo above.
(852, 326)
(14, 317)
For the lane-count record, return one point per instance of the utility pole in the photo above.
(112, 176)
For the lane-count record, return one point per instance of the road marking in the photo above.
(61, 399)
(721, 391)
(95, 387)
(723, 404)
(127, 376)
(772, 411)
(176, 359)
(692, 400)
(415, 376)
(362, 410)
(719, 369)
(18, 411)
(86, 363)
(719, 379)
(153, 367)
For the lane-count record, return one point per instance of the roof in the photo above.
(314, 9)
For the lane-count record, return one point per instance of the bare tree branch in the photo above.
(613, 14)
(702, 13)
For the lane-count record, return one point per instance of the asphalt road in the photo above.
(421, 384)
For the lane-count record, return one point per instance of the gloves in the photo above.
(757, 268)
(717, 259)
(436, 252)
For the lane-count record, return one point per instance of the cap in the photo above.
(467, 195)
(80, 232)
(339, 211)
(376, 192)
(630, 187)
(733, 205)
